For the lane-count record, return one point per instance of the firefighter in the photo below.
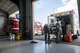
(63, 28)
(47, 33)
(59, 31)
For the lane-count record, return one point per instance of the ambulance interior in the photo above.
(67, 20)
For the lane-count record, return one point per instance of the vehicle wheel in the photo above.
(36, 34)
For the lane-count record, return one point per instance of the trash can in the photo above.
(18, 37)
(68, 38)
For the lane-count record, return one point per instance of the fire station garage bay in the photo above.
(16, 34)
(11, 25)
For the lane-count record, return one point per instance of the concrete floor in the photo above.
(40, 47)
(74, 42)
(41, 37)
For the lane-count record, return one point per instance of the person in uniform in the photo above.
(47, 33)
(59, 31)
(63, 28)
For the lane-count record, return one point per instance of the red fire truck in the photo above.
(38, 28)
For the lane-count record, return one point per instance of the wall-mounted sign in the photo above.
(18, 16)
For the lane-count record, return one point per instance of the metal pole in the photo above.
(48, 19)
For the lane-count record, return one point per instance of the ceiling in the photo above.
(8, 6)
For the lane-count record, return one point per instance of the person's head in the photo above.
(57, 19)
(46, 25)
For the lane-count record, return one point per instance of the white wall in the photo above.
(14, 14)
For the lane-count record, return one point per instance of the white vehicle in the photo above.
(52, 23)
(69, 17)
